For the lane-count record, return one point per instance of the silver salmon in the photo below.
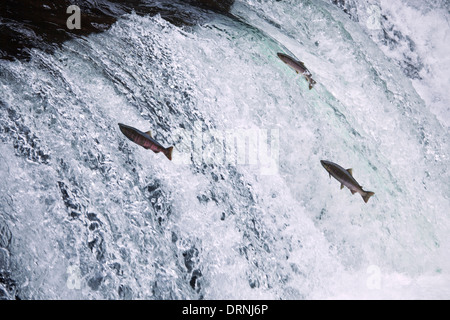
(345, 177)
(145, 140)
(298, 66)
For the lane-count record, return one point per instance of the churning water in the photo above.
(245, 209)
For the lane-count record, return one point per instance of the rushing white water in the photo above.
(85, 213)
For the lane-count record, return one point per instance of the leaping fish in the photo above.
(345, 177)
(298, 66)
(145, 140)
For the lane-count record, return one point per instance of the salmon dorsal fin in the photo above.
(149, 133)
(350, 171)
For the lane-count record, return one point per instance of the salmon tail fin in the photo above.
(168, 153)
(368, 195)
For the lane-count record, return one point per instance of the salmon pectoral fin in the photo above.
(168, 153)
(342, 186)
(368, 195)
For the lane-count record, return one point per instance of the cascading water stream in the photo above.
(245, 209)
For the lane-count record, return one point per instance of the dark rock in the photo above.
(42, 24)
